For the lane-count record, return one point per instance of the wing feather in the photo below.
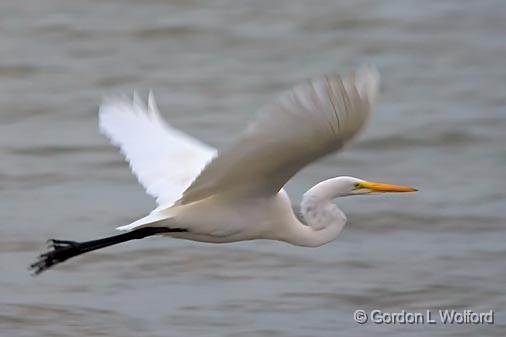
(164, 159)
(310, 121)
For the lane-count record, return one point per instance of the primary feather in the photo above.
(310, 121)
(164, 159)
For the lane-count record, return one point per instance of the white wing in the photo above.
(165, 160)
(306, 123)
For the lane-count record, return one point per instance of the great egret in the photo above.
(237, 194)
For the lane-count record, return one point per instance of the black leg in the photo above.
(62, 250)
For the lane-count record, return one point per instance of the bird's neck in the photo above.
(324, 220)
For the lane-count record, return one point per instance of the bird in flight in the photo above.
(237, 193)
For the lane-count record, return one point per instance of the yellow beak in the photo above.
(380, 187)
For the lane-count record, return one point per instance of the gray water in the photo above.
(440, 125)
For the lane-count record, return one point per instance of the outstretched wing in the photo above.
(165, 160)
(310, 121)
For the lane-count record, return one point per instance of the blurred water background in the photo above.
(440, 125)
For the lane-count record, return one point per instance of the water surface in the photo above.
(440, 125)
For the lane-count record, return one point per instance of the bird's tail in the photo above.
(149, 220)
(62, 250)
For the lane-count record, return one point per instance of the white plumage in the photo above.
(164, 159)
(238, 193)
(314, 119)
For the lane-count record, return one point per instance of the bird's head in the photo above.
(346, 186)
(353, 186)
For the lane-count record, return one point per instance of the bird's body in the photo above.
(221, 219)
(237, 194)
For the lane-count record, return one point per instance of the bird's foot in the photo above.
(59, 251)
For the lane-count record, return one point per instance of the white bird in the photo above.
(237, 194)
